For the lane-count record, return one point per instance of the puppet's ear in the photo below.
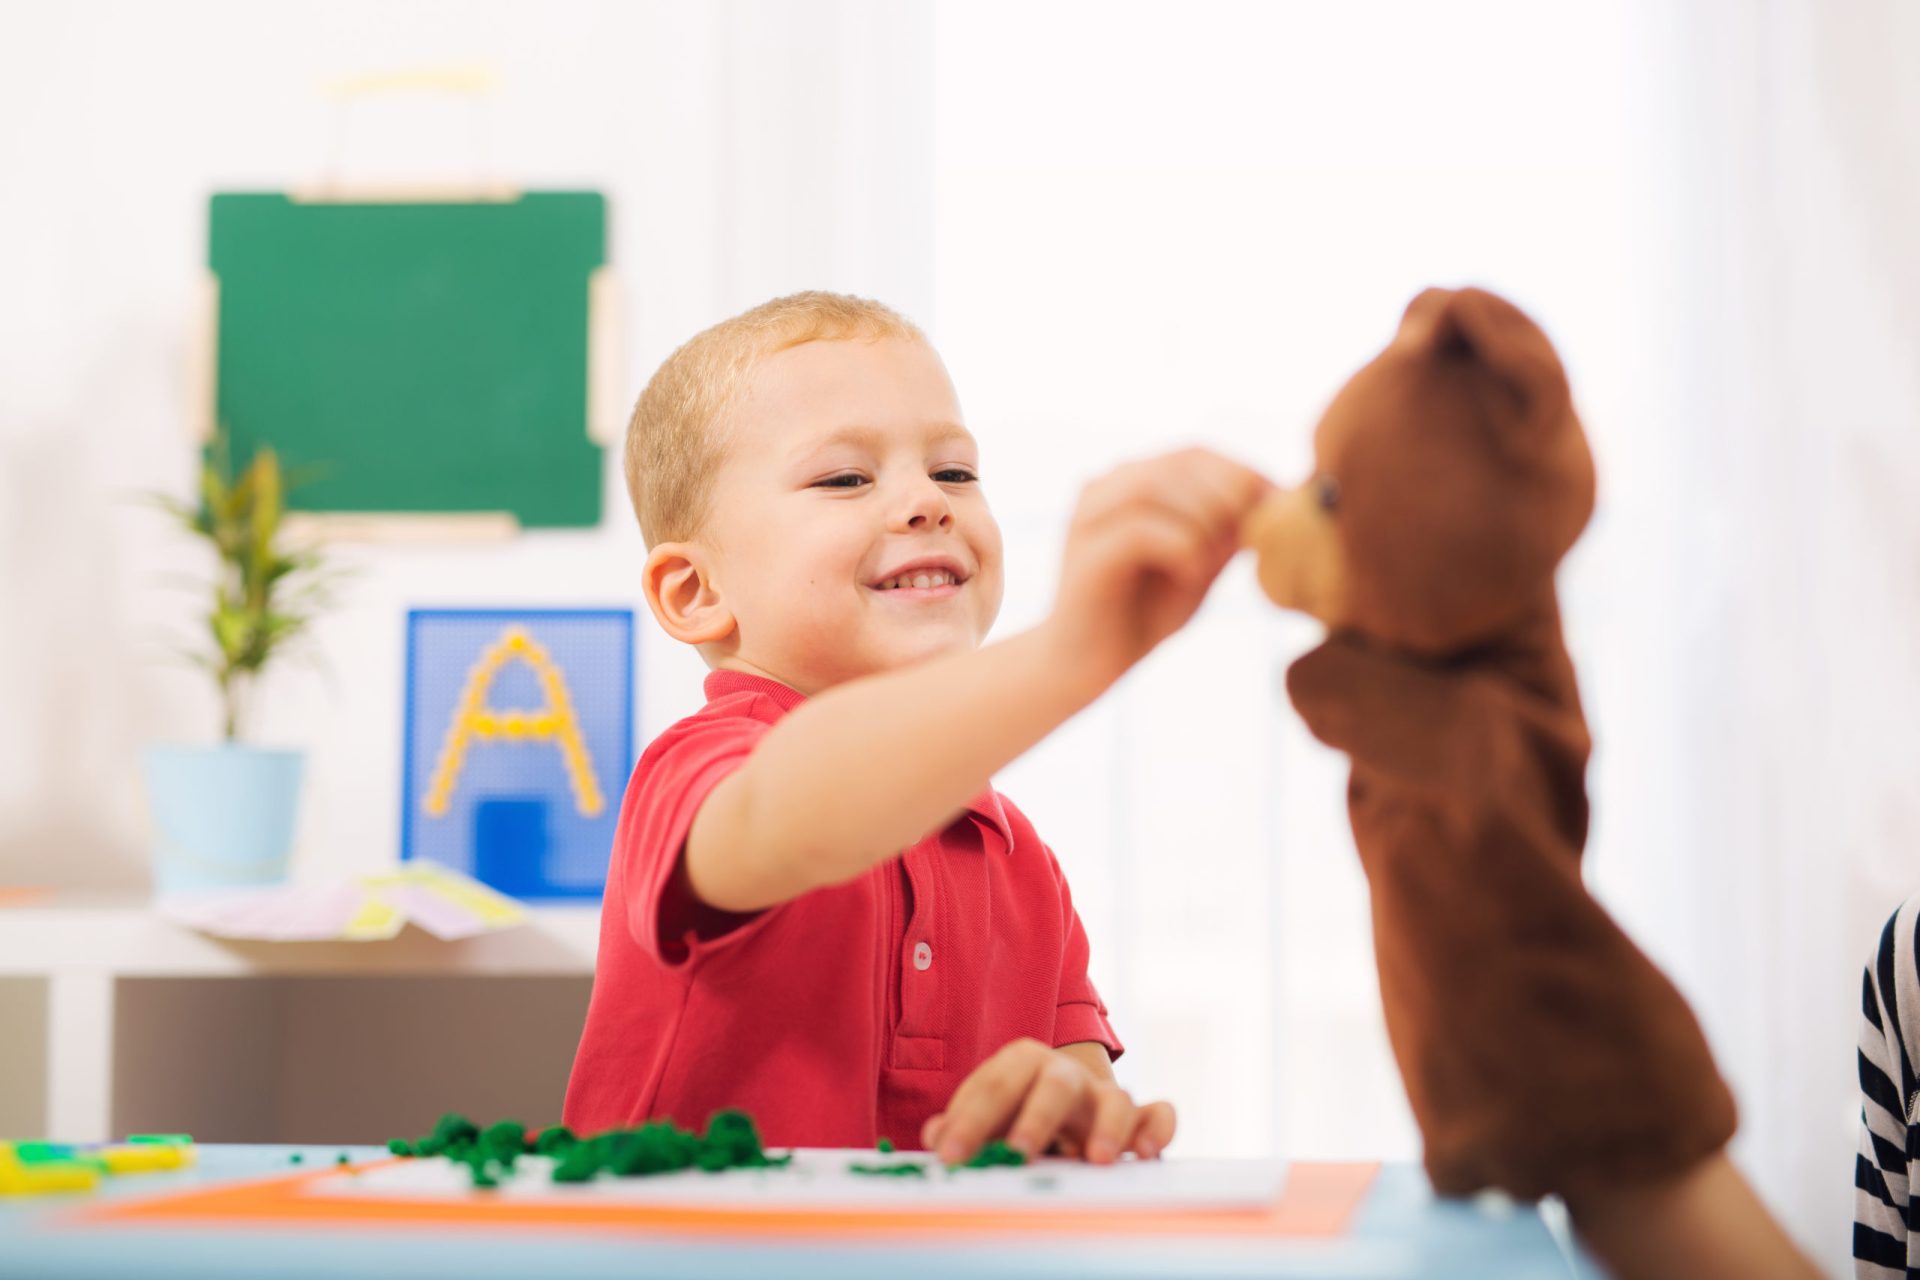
(1474, 325)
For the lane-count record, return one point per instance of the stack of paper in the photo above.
(822, 1179)
(366, 909)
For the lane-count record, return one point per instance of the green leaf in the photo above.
(232, 630)
(213, 493)
(266, 596)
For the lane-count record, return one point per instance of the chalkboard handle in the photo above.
(437, 528)
(203, 360)
(474, 84)
(606, 407)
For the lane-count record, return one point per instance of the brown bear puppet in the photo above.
(1541, 1051)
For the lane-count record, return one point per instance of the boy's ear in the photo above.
(679, 587)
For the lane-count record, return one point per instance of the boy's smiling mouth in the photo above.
(930, 578)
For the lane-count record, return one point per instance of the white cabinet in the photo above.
(114, 1021)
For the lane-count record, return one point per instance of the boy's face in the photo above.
(848, 533)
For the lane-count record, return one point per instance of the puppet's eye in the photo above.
(1326, 491)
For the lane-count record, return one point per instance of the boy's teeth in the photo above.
(938, 578)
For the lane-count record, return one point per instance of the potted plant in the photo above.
(223, 815)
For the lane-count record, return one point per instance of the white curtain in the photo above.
(1792, 366)
(1158, 225)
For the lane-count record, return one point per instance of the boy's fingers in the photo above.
(1113, 563)
(1228, 489)
(986, 1100)
(1119, 487)
(1112, 1125)
(1209, 520)
(1153, 1128)
(1212, 526)
(930, 1131)
(1216, 489)
(1245, 487)
(1057, 1092)
(1159, 540)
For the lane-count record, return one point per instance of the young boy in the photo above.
(818, 909)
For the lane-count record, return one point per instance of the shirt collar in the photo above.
(722, 682)
(985, 807)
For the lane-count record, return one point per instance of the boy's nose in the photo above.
(926, 508)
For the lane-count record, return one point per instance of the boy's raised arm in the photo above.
(866, 769)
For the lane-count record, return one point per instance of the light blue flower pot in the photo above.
(222, 816)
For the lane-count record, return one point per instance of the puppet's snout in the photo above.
(1301, 565)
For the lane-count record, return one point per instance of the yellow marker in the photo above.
(45, 1178)
(555, 723)
(145, 1158)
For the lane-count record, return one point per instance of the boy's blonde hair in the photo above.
(677, 437)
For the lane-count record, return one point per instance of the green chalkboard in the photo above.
(426, 357)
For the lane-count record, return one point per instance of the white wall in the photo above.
(707, 125)
(1128, 226)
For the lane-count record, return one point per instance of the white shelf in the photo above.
(83, 948)
(123, 938)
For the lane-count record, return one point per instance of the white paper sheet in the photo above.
(371, 908)
(819, 1178)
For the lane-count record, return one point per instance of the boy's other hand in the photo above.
(1039, 1098)
(1146, 542)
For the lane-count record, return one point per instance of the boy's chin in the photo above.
(904, 651)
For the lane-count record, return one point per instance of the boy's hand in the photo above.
(1146, 542)
(1040, 1097)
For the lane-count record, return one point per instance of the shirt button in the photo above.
(922, 957)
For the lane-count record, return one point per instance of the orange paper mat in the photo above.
(1317, 1202)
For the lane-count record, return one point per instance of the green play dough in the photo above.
(730, 1142)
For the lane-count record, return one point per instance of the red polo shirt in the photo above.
(841, 1017)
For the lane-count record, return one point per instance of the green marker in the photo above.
(44, 1152)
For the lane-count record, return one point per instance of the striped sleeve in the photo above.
(1889, 998)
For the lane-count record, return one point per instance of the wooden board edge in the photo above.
(605, 331)
(203, 360)
(402, 527)
(405, 193)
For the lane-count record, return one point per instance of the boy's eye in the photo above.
(850, 480)
(955, 475)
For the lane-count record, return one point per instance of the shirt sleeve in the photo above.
(674, 779)
(1880, 1197)
(1080, 1016)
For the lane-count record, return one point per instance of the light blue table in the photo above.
(1401, 1231)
